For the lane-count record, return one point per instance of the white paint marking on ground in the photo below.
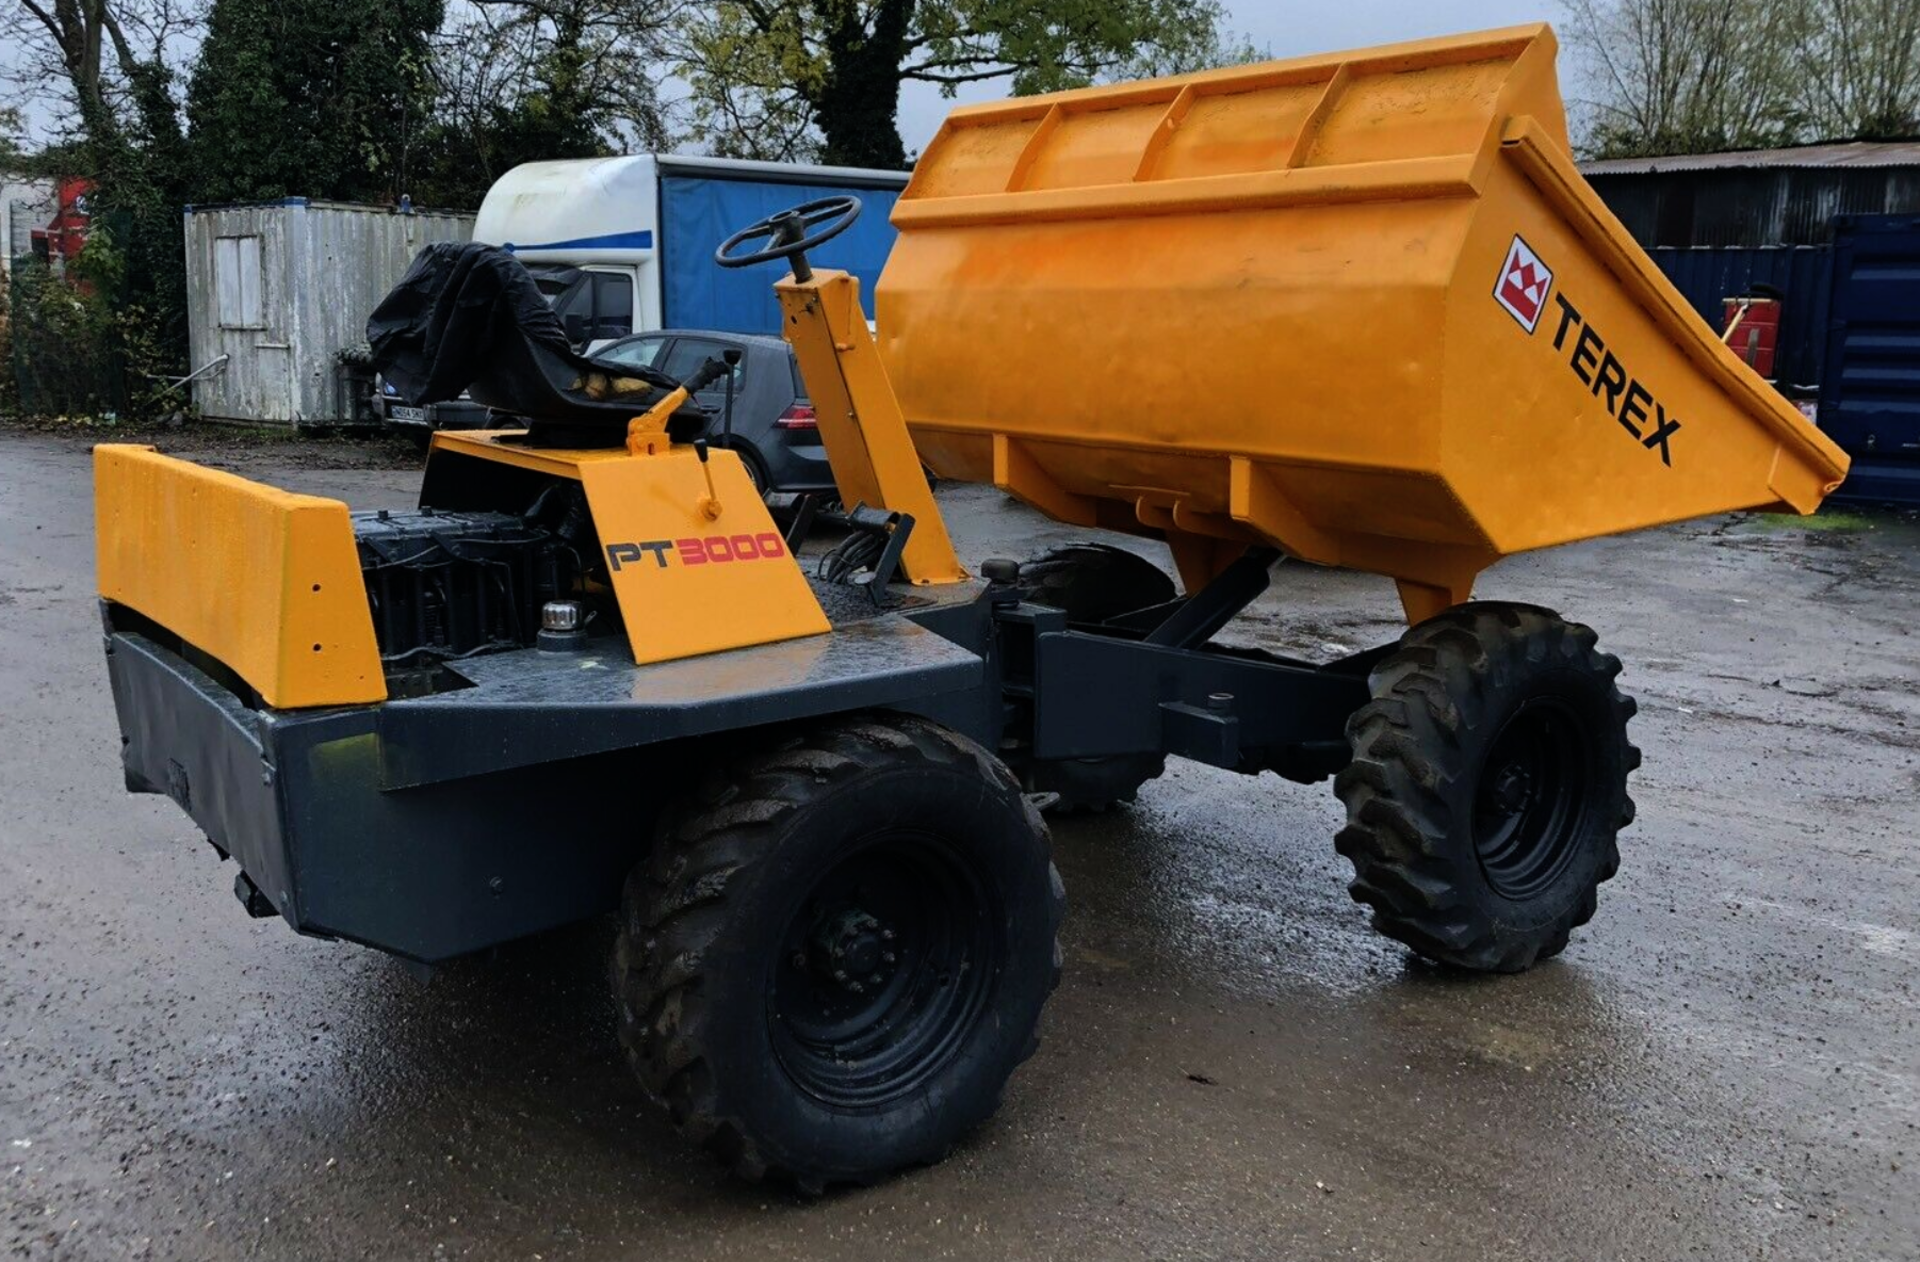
(1880, 939)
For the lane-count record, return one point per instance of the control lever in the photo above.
(703, 376)
(732, 355)
(710, 502)
(647, 432)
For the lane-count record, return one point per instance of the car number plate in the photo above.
(399, 412)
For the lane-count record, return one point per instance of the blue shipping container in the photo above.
(1870, 391)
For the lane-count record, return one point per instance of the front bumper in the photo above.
(513, 802)
(295, 798)
(797, 467)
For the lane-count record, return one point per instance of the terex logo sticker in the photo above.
(1523, 285)
(1523, 288)
(712, 550)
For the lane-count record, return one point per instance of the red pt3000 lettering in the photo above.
(710, 550)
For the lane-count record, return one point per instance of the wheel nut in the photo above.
(799, 959)
(888, 957)
(856, 988)
(839, 974)
(886, 935)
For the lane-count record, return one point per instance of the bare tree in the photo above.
(1691, 76)
(606, 55)
(61, 59)
(1862, 68)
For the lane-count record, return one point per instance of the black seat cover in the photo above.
(468, 317)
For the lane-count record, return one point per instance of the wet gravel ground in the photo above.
(1723, 1065)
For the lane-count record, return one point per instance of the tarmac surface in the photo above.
(1725, 1064)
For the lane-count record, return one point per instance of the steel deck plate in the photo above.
(530, 706)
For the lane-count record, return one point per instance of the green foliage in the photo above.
(62, 344)
(102, 335)
(135, 251)
(1055, 44)
(756, 81)
(9, 387)
(766, 73)
(317, 98)
(142, 316)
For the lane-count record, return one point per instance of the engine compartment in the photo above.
(447, 585)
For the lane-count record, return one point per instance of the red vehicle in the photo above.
(65, 236)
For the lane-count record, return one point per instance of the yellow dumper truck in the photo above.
(1355, 310)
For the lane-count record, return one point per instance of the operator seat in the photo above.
(468, 317)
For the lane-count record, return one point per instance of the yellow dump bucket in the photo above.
(1360, 306)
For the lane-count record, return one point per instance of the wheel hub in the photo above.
(854, 951)
(1512, 789)
(885, 967)
(1533, 795)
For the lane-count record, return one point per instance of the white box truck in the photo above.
(626, 244)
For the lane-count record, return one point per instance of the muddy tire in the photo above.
(1092, 582)
(838, 952)
(1488, 786)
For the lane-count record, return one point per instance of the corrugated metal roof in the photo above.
(1852, 154)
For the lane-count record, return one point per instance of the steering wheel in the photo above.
(791, 233)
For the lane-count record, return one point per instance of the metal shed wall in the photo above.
(1761, 206)
(322, 267)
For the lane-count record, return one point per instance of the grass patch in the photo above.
(1828, 522)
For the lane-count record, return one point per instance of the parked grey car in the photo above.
(773, 422)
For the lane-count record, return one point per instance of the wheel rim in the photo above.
(884, 970)
(1531, 802)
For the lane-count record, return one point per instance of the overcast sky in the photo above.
(1287, 28)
